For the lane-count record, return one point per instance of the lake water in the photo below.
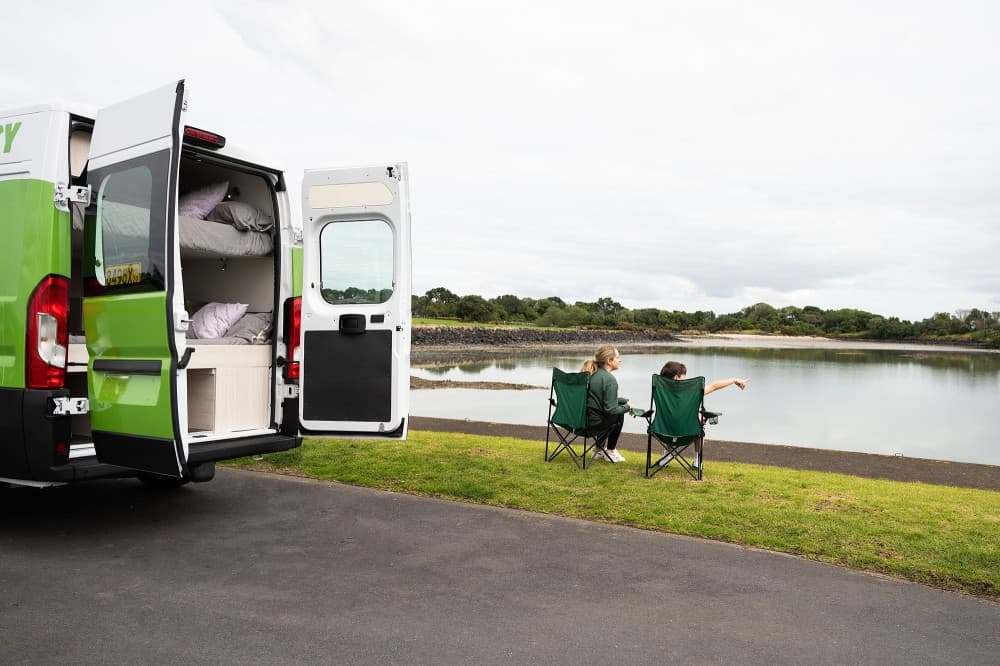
(915, 402)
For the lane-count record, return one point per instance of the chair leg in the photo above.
(672, 453)
(565, 444)
(654, 467)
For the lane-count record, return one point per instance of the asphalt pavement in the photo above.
(260, 569)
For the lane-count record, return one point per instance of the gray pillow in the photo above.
(241, 215)
(254, 327)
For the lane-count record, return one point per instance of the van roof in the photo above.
(90, 113)
(67, 107)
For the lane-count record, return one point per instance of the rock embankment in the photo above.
(458, 335)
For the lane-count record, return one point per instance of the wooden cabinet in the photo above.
(229, 388)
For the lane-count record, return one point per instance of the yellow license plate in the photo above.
(123, 274)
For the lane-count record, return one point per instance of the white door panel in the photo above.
(356, 321)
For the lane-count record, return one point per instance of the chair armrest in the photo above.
(642, 413)
(711, 417)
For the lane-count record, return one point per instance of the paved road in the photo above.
(252, 568)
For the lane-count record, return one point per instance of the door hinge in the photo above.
(289, 390)
(71, 194)
(63, 406)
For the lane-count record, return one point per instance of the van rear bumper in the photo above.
(202, 452)
(89, 467)
(29, 432)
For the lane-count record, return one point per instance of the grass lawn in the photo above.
(943, 536)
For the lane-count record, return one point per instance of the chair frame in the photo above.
(674, 446)
(567, 436)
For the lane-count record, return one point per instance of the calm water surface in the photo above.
(922, 404)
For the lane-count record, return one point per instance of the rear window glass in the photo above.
(356, 262)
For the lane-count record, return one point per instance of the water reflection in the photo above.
(925, 404)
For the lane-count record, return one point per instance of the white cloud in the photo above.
(675, 155)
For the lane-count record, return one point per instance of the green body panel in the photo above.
(296, 271)
(129, 328)
(36, 243)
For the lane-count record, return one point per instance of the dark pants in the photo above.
(615, 423)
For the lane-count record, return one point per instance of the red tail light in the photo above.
(292, 334)
(48, 334)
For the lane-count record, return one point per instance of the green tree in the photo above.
(565, 316)
(647, 317)
(515, 308)
(475, 308)
(439, 302)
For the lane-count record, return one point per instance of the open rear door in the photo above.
(355, 346)
(130, 264)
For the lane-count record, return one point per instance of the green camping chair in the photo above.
(676, 421)
(568, 418)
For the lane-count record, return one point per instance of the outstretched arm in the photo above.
(723, 383)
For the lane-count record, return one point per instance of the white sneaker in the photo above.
(666, 460)
(617, 457)
(598, 454)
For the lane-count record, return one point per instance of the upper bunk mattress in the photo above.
(205, 239)
(199, 239)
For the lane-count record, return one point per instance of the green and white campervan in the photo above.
(159, 311)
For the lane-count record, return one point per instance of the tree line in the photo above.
(973, 325)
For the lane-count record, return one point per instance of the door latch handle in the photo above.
(185, 359)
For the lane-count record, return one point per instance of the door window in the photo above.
(129, 228)
(356, 262)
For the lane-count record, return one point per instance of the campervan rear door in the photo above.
(355, 325)
(131, 262)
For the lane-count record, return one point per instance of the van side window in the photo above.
(126, 232)
(356, 262)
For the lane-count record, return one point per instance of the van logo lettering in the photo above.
(9, 132)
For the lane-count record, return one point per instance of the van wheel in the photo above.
(162, 482)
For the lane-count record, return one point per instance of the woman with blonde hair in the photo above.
(604, 408)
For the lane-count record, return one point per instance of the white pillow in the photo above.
(242, 216)
(199, 203)
(213, 320)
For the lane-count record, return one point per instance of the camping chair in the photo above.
(568, 418)
(676, 420)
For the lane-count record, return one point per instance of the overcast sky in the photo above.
(679, 155)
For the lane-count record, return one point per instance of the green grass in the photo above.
(943, 536)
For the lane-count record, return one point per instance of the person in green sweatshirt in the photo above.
(604, 408)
